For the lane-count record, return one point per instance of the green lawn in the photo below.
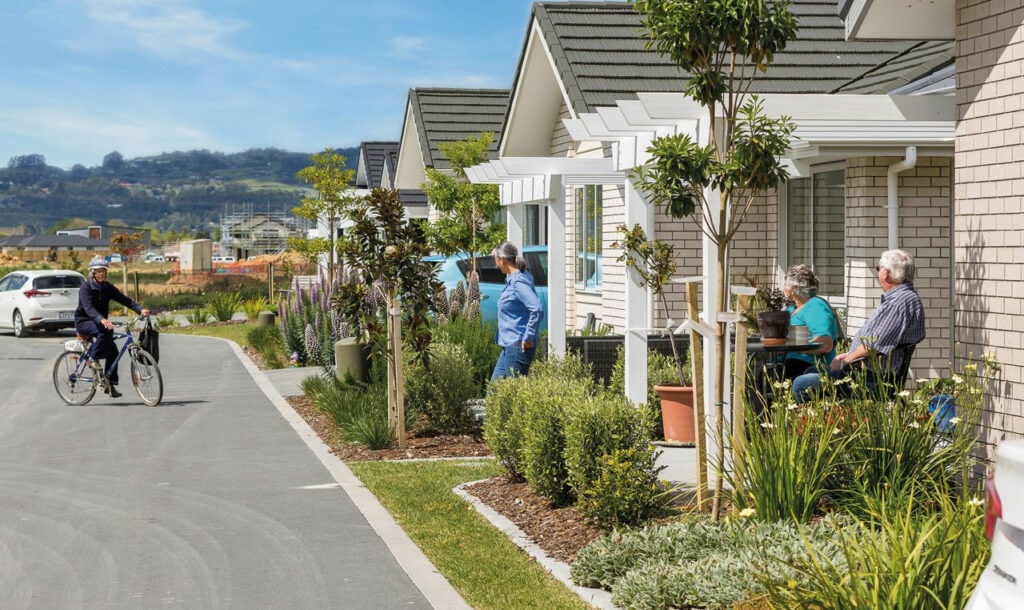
(480, 562)
(236, 332)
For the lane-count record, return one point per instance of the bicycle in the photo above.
(76, 382)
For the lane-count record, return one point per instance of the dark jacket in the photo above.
(94, 301)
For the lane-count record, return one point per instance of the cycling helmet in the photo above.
(98, 262)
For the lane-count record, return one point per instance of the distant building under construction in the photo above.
(246, 233)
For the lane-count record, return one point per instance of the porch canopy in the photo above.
(543, 181)
(828, 128)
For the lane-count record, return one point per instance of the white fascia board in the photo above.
(671, 106)
(937, 133)
(852, 107)
(800, 106)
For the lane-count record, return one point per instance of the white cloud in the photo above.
(406, 46)
(167, 27)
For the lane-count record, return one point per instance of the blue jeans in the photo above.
(513, 361)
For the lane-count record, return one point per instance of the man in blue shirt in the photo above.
(91, 318)
(896, 325)
(519, 314)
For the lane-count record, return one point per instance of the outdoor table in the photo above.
(774, 355)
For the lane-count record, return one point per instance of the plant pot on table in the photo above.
(677, 412)
(774, 327)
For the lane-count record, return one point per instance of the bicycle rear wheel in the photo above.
(69, 386)
(146, 377)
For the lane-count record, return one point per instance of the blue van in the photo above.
(453, 269)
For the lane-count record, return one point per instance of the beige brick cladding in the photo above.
(989, 191)
(924, 231)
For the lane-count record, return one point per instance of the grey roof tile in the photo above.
(449, 115)
(600, 55)
(372, 156)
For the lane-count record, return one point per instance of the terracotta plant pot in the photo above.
(774, 326)
(677, 412)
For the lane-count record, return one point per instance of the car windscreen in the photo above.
(51, 282)
(489, 272)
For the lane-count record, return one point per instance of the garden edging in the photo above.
(597, 598)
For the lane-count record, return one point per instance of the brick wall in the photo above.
(924, 231)
(989, 191)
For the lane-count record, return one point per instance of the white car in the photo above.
(39, 300)
(1001, 586)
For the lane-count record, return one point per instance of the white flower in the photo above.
(767, 425)
(975, 501)
(835, 431)
(923, 381)
(957, 379)
(954, 420)
(748, 512)
(914, 424)
(792, 406)
(904, 394)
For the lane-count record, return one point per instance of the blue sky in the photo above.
(81, 78)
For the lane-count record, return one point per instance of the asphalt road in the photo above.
(209, 500)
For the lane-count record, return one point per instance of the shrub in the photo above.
(269, 344)
(440, 388)
(308, 311)
(253, 307)
(359, 411)
(791, 456)
(198, 315)
(597, 428)
(626, 490)
(524, 425)
(223, 305)
(702, 563)
(166, 320)
(660, 370)
(916, 556)
(478, 340)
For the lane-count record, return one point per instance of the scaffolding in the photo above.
(246, 232)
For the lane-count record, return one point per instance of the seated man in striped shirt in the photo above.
(891, 332)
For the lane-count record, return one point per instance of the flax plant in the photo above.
(794, 451)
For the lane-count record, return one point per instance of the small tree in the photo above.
(129, 246)
(722, 45)
(465, 208)
(390, 281)
(334, 195)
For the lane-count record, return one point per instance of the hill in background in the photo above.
(172, 191)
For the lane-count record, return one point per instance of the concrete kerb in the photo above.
(597, 598)
(435, 588)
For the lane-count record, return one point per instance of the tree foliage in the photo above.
(334, 196)
(722, 45)
(465, 209)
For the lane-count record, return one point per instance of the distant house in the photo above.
(259, 234)
(106, 232)
(436, 115)
(53, 248)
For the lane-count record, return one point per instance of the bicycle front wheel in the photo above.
(69, 386)
(146, 377)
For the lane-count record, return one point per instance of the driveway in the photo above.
(209, 500)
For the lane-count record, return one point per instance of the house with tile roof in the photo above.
(436, 115)
(988, 217)
(871, 168)
(43, 247)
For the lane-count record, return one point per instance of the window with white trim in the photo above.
(815, 208)
(589, 222)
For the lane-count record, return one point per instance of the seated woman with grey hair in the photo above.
(808, 309)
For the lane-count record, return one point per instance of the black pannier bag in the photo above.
(149, 340)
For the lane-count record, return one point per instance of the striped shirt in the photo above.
(898, 322)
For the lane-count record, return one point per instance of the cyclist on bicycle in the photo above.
(91, 318)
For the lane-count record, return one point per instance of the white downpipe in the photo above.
(892, 182)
